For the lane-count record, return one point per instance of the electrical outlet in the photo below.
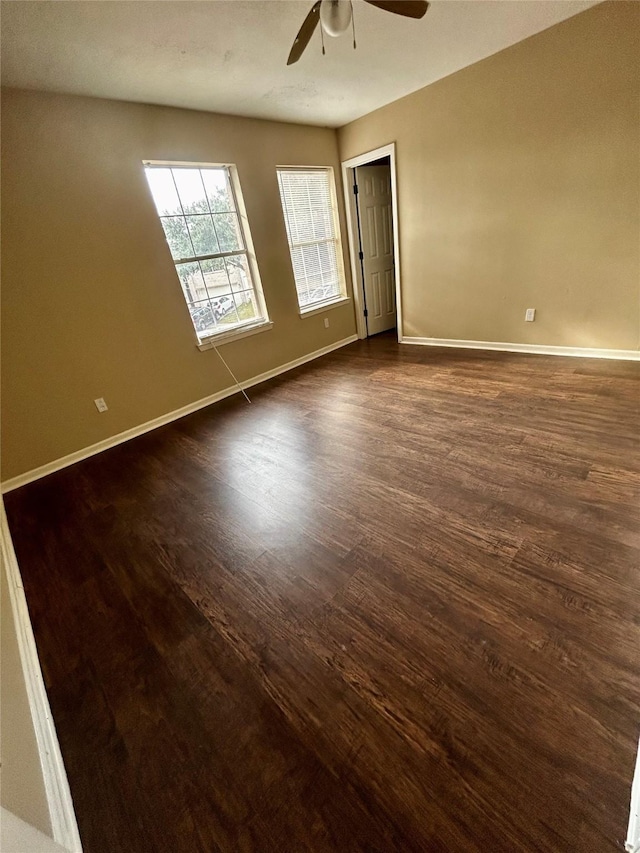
(530, 315)
(326, 322)
(101, 406)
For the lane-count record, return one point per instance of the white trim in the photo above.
(233, 335)
(347, 182)
(185, 164)
(78, 455)
(63, 820)
(632, 844)
(538, 349)
(324, 306)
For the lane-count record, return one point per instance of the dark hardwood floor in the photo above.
(392, 605)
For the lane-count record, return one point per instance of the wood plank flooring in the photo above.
(391, 605)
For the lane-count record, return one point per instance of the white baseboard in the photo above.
(537, 349)
(63, 820)
(92, 450)
(632, 844)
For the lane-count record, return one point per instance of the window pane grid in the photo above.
(198, 213)
(309, 214)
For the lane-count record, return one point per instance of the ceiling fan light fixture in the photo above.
(335, 16)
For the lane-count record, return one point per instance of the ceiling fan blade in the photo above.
(304, 35)
(407, 8)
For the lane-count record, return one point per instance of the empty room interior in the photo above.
(320, 426)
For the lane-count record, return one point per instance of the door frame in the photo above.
(352, 232)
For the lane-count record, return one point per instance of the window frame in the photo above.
(342, 297)
(210, 338)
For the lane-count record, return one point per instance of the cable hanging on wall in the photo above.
(233, 376)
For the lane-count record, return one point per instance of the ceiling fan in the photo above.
(335, 16)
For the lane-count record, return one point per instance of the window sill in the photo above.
(325, 306)
(233, 335)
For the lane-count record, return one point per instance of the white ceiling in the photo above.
(230, 56)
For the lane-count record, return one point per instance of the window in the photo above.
(308, 203)
(198, 210)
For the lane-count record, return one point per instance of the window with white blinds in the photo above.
(308, 204)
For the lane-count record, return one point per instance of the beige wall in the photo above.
(519, 187)
(91, 302)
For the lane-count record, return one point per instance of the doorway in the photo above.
(370, 199)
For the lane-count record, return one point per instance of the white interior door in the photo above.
(376, 229)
